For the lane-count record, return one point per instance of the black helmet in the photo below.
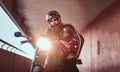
(52, 14)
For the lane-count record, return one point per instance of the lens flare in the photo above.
(44, 44)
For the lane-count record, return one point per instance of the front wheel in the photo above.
(37, 68)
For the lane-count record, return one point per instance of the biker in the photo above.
(67, 42)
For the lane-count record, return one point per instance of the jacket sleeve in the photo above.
(73, 38)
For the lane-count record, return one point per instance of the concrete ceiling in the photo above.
(76, 12)
(79, 13)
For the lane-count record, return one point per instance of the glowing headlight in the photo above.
(43, 44)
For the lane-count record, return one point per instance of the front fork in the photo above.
(38, 64)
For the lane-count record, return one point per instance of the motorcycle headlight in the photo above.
(43, 44)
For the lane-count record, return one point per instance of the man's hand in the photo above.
(67, 45)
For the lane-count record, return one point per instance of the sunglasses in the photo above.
(53, 19)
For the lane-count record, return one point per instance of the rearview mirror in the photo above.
(18, 34)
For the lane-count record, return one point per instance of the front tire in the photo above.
(37, 68)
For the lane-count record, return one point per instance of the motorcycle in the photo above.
(47, 58)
